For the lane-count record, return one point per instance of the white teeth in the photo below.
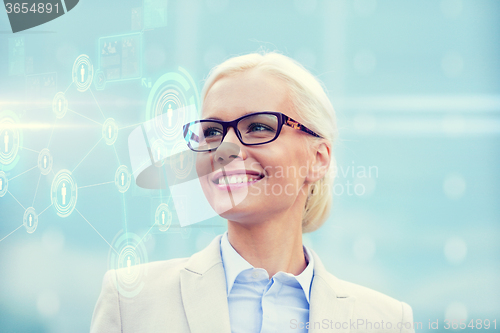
(236, 180)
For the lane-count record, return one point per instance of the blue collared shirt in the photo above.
(259, 304)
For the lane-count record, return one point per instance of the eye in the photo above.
(259, 127)
(211, 132)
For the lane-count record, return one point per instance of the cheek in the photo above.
(205, 186)
(204, 164)
(288, 167)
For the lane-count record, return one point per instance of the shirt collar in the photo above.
(305, 278)
(234, 264)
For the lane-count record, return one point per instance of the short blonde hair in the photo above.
(310, 102)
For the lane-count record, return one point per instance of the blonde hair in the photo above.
(310, 102)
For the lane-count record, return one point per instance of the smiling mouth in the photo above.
(238, 179)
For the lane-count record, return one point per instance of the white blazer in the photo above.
(189, 295)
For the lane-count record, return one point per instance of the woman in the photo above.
(266, 132)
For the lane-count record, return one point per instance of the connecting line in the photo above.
(16, 199)
(22, 173)
(81, 115)
(96, 231)
(97, 103)
(11, 233)
(125, 215)
(79, 187)
(68, 87)
(159, 177)
(51, 133)
(143, 237)
(140, 166)
(116, 153)
(86, 155)
(36, 190)
(30, 150)
(170, 197)
(45, 210)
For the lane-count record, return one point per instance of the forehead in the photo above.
(233, 96)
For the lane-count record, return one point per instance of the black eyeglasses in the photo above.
(252, 129)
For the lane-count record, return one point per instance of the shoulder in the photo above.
(368, 296)
(151, 292)
(373, 306)
(156, 271)
(154, 279)
(370, 309)
(363, 295)
(148, 291)
(165, 275)
(359, 303)
(164, 271)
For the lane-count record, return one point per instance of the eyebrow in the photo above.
(212, 118)
(217, 118)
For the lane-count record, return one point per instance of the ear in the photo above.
(321, 157)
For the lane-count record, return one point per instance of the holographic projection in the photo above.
(120, 58)
(155, 13)
(16, 55)
(159, 153)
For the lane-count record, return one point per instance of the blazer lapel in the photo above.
(330, 306)
(203, 289)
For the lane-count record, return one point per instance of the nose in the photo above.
(228, 150)
(225, 154)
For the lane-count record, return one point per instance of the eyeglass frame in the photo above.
(282, 120)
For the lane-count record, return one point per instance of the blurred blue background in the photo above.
(416, 88)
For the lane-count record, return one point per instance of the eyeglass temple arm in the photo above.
(296, 125)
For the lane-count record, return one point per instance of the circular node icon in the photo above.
(63, 193)
(4, 184)
(83, 72)
(110, 131)
(30, 220)
(9, 140)
(99, 80)
(172, 101)
(128, 256)
(45, 162)
(159, 152)
(181, 160)
(122, 178)
(163, 217)
(60, 105)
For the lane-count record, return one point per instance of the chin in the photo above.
(224, 201)
(242, 212)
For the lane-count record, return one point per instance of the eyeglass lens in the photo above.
(254, 129)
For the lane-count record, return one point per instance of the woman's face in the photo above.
(275, 172)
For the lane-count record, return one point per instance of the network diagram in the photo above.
(167, 102)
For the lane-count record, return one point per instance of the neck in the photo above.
(273, 245)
